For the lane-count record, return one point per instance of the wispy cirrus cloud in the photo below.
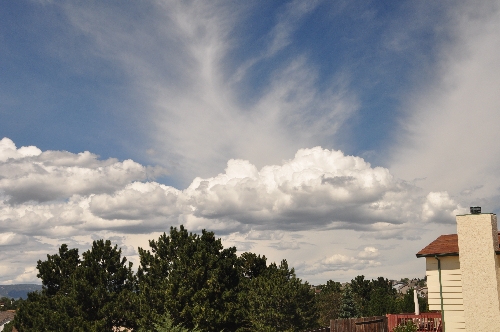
(450, 134)
(192, 98)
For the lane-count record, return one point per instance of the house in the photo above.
(463, 274)
(5, 317)
(422, 292)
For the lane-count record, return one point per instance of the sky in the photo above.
(342, 136)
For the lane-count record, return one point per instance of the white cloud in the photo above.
(439, 207)
(191, 90)
(368, 252)
(453, 120)
(31, 175)
(9, 239)
(8, 150)
(316, 190)
(286, 245)
(287, 24)
(339, 262)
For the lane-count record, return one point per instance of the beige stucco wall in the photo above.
(451, 279)
(479, 265)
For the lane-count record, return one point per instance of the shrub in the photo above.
(407, 326)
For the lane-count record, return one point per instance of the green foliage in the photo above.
(8, 327)
(374, 297)
(407, 304)
(93, 294)
(251, 265)
(189, 282)
(202, 284)
(361, 289)
(9, 303)
(382, 298)
(328, 302)
(165, 324)
(277, 300)
(194, 277)
(348, 308)
(408, 326)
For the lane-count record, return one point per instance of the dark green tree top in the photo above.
(191, 276)
(96, 293)
(349, 308)
(279, 301)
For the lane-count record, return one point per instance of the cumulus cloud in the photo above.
(8, 150)
(28, 174)
(440, 207)
(338, 262)
(318, 188)
(368, 252)
(9, 239)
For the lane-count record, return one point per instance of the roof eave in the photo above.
(497, 252)
(438, 255)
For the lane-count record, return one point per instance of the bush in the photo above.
(407, 326)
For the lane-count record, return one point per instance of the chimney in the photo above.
(479, 266)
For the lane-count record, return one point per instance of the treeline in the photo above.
(363, 298)
(189, 282)
(7, 303)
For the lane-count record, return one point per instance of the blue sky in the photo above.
(370, 123)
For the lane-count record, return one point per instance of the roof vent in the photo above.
(475, 210)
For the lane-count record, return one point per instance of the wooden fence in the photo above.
(427, 322)
(364, 324)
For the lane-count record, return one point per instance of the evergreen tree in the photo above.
(93, 294)
(328, 302)
(191, 276)
(361, 289)
(279, 301)
(348, 308)
(165, 324)
(382, 298)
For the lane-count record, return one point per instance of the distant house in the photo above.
(5, 317)
(463, 274)
(398, 286)
(422, 292)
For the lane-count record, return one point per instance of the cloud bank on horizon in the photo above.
(49, 195)
(334, 134)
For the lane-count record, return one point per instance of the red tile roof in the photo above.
(445, 245)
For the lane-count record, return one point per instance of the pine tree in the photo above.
(348, 308)
(279, 301)
(191, 276)
(328, 302)
(92, 294)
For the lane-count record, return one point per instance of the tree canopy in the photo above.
(191, 276)
(190, 282)
(95, 293)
